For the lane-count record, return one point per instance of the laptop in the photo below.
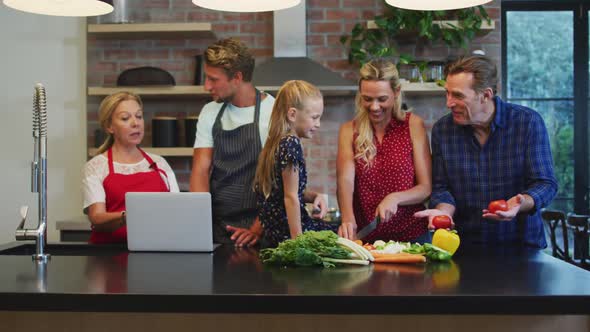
(164, 221)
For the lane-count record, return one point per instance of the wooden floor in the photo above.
(146, 322)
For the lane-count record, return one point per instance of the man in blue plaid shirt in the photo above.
(485, 150)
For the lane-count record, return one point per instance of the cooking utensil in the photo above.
(363, 233)
(23, 214)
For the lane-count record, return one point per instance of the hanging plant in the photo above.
(366, 43)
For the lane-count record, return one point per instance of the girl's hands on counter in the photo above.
(320, 207)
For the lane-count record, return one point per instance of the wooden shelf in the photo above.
(149, 30)
(485, 26)
(428, 88)
(164, 152)
(199, 90)
(325, 89)
(176, 90)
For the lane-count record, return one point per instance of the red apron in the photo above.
(117, 185)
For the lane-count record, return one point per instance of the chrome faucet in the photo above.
(38, 177)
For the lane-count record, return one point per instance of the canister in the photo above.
(99, 137)
(199, 71)
(164, 131)
(190, 130)
(434, 71)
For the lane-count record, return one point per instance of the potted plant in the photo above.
(366, 43)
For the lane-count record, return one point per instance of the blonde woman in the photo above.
(281, 176)
(384, 163)
(120, 166)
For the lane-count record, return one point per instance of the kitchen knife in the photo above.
(369, 228)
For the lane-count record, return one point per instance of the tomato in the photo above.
(499, 205)
(442, 221)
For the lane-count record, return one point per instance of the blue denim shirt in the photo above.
(515, 159)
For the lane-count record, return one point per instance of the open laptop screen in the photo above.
(164, 221)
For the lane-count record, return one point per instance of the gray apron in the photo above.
(235, 155)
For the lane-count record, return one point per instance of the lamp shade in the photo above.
(435, 4)
(62, 7)
(246, 5)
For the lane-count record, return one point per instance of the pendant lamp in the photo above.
(435, 4)
(245, 6)
(62, 7)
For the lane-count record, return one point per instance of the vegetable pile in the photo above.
(316, 248)
(406, 252)
(431, 251)
(325, 248)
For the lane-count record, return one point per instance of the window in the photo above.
(545, 67)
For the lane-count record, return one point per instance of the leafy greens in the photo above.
(308, 249)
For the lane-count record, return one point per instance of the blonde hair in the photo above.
(294, 93)
(105, 115)
(232, 56)
(375, 70)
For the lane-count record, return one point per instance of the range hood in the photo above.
(290, 59)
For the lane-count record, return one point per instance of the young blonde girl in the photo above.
(281, 176)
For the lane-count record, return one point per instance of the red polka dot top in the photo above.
(391, 171)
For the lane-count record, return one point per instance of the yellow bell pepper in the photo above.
(447, 240)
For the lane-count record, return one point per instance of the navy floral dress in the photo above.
(271, 210)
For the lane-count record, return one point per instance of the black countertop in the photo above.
(110, 279)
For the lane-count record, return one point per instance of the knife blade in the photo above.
(363, 233)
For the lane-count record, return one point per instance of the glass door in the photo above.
(539, 73)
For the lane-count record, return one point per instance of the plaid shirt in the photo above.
(515, 159)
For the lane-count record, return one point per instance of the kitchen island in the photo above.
(85, 288)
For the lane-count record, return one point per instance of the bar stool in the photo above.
(555, 220)
(578, 223)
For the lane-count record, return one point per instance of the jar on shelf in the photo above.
(199, 70)
(99, 137)
(120, 13)
(434, 71)
(410, 72)
(164, 132)
(190, 130)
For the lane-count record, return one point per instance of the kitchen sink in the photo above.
(63, 249)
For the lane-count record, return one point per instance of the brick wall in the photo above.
(327, 20)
